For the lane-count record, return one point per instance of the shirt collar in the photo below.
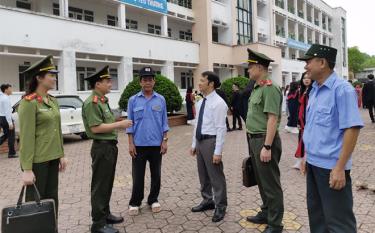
(329, 82)
(142, 94)
(212, 94)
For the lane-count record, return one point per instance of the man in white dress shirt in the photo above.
(6, 121)
(208, 141)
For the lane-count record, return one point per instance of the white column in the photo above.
(320, 38)
(277, 75)
(295, 7)
(68, 74)
(296, 31)
(64, 8)
(312, 15)
(286, 27)
(305, 34)
(305, 10)
(125, 72)
(320, 19)
(121, 15)
(164, 25)
(168, 70)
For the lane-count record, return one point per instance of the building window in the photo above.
(154, 29)
(82, 73)
(169, 32)
(186, 35)
(112, 20)
(184, 3)
(23, 4)
(244, 18)
(131, 24)
(77, 13)
(187, 79)
(215, 34)
(114, 77)
(56, 9)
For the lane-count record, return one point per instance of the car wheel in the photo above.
(84, 136)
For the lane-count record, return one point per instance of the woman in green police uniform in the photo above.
(41, 141)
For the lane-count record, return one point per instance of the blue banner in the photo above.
(298, 45)
(152, 5)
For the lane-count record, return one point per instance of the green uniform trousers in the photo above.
(268, 178)
(47, 181)
(104, 159)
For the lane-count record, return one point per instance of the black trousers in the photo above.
(104, 159)
(5, 126)
(330, 211)
(47, 181)
(237, 117)
(153, 156)
(370, 106)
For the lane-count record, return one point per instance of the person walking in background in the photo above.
(358, 90)
(148, 140)
(285, 100)
(303, 98)
(6, 121)
(207, 144)
(235, 107)
(190, 108)
(292, 98)
(333, 123)
(368, 96)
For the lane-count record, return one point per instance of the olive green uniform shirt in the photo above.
(41, 139)
(264, 99)
(96, 111)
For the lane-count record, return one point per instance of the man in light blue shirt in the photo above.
(6, 121)
(147, 140)
(332, 127)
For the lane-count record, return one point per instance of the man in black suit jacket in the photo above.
(368, 96)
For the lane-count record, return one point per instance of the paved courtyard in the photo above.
(180, 187)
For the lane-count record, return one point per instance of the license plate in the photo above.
(74, 128)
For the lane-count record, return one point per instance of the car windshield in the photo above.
(70, 102)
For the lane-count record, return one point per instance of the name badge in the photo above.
(44, 110)
(156, 108)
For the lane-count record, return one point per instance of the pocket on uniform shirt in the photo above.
(323, 116)
(157, 111)
(138, 113)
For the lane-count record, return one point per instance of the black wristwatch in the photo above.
(267, 147)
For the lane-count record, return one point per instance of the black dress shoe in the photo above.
(270, 229)
(219, 214)
(203, 207)
(111, 219)
(12, 156)
(105, 229)
(260, 218)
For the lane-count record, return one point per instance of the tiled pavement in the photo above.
(180, 187)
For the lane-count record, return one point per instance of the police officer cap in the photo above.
(100, 75)
(320, 51)
(258, 58)
(44, 65)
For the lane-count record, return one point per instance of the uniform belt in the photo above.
(206, 136)
(110, 142)
(260, 135)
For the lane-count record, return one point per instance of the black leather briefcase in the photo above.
(248, 175)
(38, 216)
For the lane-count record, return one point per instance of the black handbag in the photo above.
(37, 216)
(248, 175)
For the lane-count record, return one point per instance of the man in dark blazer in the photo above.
(368, 96)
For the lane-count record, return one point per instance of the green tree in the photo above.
(163, 86)
(356, 59)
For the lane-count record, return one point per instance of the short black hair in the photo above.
(212, 77)
(370, 76)
(4, 87)
(331, 65)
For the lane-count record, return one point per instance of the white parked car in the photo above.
(71, 118)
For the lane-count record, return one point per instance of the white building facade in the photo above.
(178, 38)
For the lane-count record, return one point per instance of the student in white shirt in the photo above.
(6, 121)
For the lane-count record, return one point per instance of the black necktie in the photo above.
(198, 134)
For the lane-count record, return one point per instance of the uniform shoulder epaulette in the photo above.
(266, 82)
(34, 96)
(95, 99)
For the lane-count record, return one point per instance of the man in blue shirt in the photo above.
(147, 140)
(332, 127)
(6, 121)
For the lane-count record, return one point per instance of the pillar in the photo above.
(168, 70)
(125, 72)
(121, 15)
(164, 25)
(68, 74)
(64, 8)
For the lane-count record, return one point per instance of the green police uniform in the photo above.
(41, 140)
(96, 111)
(266, 98)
